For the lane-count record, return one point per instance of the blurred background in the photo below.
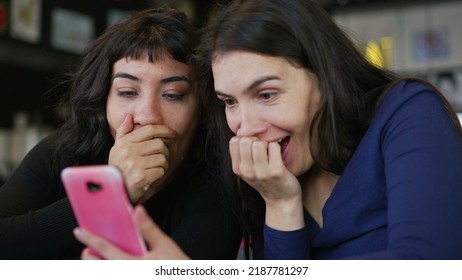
(40, 40)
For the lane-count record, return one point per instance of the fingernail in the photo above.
(78, 233)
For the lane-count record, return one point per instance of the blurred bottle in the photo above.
(26, 133)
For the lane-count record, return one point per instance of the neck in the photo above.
(317, 186)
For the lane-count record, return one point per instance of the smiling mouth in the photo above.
(284, 142)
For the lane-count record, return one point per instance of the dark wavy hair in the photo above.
(85, 137)
(304, 34)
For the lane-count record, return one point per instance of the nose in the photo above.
(250, 123)
(148, 112)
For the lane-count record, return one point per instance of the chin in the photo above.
(295, 171)
(298, 170)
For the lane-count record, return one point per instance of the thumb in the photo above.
(148, 229)
(160, 245)
(126, 126)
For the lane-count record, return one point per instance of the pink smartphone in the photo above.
(101, 205)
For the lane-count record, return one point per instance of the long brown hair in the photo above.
(85, 135)
(303, 33)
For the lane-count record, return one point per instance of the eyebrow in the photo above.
(172, 79)
(254, 84)
(125, 75)
(166, 80)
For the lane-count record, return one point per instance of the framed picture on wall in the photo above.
(431, 44)
(26, 19)
(71, 31)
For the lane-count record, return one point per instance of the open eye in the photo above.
(229, 102)
(266, 95)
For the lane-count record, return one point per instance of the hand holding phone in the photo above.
(99, 199)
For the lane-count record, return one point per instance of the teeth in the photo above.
(280, 139)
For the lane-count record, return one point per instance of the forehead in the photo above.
(245, 58)
(246, 64)
(242, 68)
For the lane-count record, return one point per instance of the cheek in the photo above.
(232, 121)
(186, 130)
(115, 116)
(113, 122)
(182, 120)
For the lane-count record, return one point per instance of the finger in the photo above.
(154, 146)
(160, 245)
(260, 158)
(259, 150)
(245, 153)
(276, 165)
(148, 229)
(145, 155)
(145, 170)
(101, 246)
(274, 153)
(139, 182)
(245, 150)
(148, 162)
(148, 132)
(125, 127)
(234, 152)
(87, 255)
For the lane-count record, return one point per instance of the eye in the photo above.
(174, 96)
(126, 93)
(229, 102)
(266, 95)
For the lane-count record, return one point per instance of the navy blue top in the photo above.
(399, 197)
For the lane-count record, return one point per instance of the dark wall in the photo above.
(27, 70)
(24, 89)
